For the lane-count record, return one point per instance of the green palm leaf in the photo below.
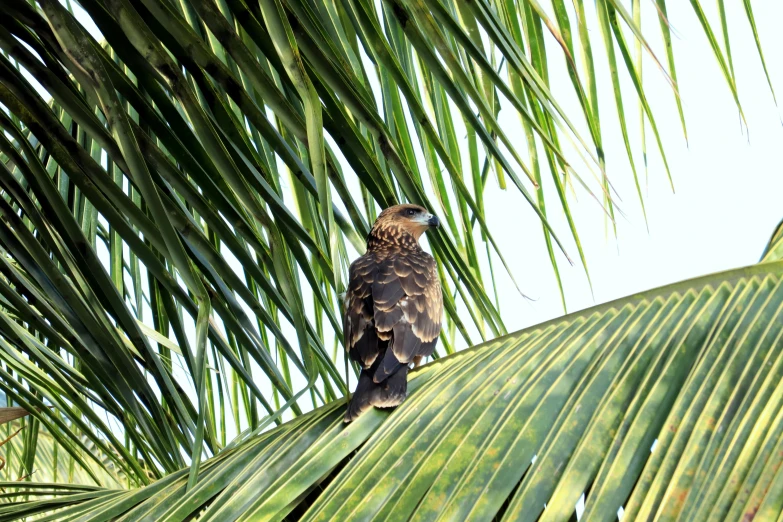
(666, 402)
(182, 189)
(774, 249)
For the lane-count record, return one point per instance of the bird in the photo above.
(393, 308)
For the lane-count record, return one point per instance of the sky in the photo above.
(727, 178)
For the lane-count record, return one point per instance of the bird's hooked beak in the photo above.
(423, 221)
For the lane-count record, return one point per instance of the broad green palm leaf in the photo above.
(666, 403)
(774, 248)
(46, 462)
(179, 202)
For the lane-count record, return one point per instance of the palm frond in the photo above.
(183, 186)
(665, 403)
(774, 249)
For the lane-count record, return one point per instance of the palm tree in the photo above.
(184, 184)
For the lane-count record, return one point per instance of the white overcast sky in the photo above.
(728, 182)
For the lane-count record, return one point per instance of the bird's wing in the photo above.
(408, 308)
(361, 339)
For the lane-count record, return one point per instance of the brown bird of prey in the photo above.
(393, 308)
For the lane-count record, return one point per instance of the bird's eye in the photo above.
(411, 212)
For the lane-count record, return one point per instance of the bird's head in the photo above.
(413, 219)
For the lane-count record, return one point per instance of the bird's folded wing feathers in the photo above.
(397, 297)
(408, 301)
(361, 339)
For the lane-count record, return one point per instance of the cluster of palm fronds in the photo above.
(666, 404)
(177, 220)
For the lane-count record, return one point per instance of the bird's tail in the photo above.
(386, 394)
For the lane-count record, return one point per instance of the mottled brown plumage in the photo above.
(393, 307)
